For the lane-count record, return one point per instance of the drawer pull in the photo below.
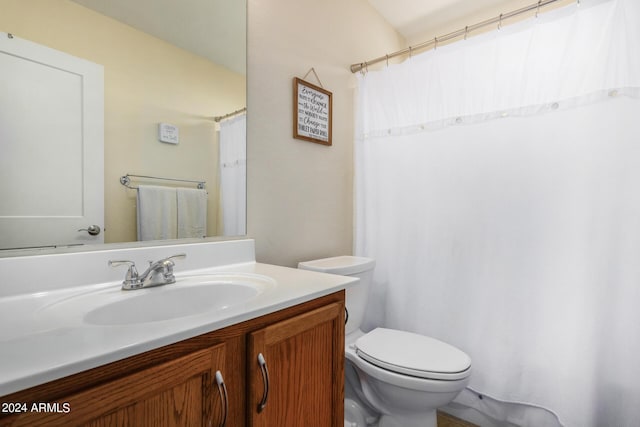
(265, 381)
(224, 398)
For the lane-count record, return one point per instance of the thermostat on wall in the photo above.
(168, 133)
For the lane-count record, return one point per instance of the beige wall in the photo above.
(300, 194)
(147, 81)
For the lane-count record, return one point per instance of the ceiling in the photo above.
(186, 23)
(413, 18)
(214, 29)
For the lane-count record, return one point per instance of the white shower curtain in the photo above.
(233, 174)
(498, 188)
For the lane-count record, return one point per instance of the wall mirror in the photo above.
(161, 84)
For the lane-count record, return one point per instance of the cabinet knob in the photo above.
(265, 381)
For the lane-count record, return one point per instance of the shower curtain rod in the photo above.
(226, 116)
(462, 32)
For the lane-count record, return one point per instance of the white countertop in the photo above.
(35, 348)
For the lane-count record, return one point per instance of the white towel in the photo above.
(192, 212)
(157, 213)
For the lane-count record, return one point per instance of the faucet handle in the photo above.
(131, 278)
(168, 261)
(168, 264)
(177, 256)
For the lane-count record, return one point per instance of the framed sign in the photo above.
(312, 111)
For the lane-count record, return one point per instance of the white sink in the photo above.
(189, 296)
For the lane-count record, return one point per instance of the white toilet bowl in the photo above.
(395, 377)
(408, 398)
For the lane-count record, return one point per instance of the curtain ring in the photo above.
(500, 22)
(364, 68)
(538, 8)
(466, 31)
(410, 52)
(435, 43)
(387, 55)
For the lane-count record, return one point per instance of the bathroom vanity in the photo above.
(273, 359)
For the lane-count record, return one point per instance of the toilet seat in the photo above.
(412, 354)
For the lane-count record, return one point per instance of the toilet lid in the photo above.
(413, 354)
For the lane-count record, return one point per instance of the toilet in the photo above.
(392, 378)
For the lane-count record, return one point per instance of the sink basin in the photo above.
(172, 302)
(189, 296)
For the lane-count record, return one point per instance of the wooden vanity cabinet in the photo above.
(302, 347)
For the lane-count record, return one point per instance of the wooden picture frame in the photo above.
(312, 112)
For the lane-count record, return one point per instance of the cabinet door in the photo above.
(296, 371)
(181, 392)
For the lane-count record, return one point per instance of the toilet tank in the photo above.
(358, 294)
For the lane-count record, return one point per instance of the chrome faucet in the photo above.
(159, 273)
